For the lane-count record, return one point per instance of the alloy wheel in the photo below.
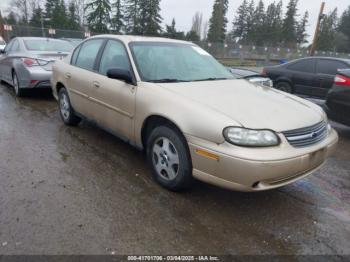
(64, 106)
(165, 158)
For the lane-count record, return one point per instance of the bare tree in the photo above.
(205, 29)
(197, 22)
(22, 9)
(80, 4)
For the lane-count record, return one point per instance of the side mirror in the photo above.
(120, 74)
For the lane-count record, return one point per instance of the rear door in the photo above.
(326, 70)
(302, 75)
(81, 74)
(6, 63)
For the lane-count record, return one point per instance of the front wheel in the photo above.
(66, 110)
(168, 155)
(285, 87)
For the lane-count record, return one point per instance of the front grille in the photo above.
(307, 136)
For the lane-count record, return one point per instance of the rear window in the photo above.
(48, 45)
(330, 67)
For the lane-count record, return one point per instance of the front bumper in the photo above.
(257, 169)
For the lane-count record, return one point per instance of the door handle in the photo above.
(68, 75)
(96, 84)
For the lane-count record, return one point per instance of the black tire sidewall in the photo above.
(19, 92)
(184, 178)
(284, 85)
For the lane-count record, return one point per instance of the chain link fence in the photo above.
(229, 54)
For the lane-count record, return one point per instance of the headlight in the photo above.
(250, 137)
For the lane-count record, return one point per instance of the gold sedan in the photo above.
(184, 109)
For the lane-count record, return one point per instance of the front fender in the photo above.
(191, 117)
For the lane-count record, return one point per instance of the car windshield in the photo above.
(173, 62)
(48, 45)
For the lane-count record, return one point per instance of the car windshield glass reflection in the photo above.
(169, 62)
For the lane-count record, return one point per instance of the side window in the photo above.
(15, 46)
(88, 53)
(307, 66)
(114, 56)
(329, 67)
(9, 46)
(75, 55)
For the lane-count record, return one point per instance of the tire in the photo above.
(285, 87)
(66, 110)
(169, 158)
(18, 90)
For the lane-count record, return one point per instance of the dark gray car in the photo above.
(26, 62)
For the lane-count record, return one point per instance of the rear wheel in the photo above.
(169, 158)
(285, 87)
(16, 85)
(66, 110)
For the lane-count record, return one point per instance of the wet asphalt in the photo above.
(80, 190)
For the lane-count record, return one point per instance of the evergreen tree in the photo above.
(132, 17)
(151, 18)
(118, 17)
(239, 28)
(37, 15)
(258, 32)
(326, 39)
(73, 17)
(11, 19)
(301, 29)
(55, 14)
(273, 24)
(289, 33)
(171, 32)
(192, 36)
(344, 28)
(98, 17)
(218, 22)
(50, 7)
(250, 22)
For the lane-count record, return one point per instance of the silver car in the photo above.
(26, 62)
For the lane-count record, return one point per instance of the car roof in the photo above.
(131, 38)
(323, 57)
(37, 38)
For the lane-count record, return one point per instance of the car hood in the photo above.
(250, 105)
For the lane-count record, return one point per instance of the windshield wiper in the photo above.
(211, 79)
(167, 80)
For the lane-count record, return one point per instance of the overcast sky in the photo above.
(183, 10)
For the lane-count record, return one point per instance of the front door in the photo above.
(113, 101)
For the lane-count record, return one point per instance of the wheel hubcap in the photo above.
(165, 158)
(64, 106)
